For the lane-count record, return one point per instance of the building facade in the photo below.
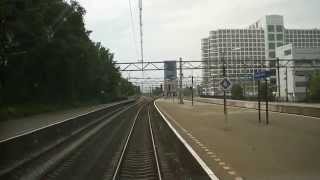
(170, 78)
(298, 65)
(244, 51)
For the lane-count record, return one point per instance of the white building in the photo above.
(297, 67)
(246, 50)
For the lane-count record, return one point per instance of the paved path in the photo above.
(19, 126)
(287, 149)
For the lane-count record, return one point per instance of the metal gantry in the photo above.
(198, 64)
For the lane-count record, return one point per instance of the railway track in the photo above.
(126, 142)
(60, 155)
(139, 157)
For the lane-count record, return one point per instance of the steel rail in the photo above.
(130, 138)
(154, 146)
(92, 128)
(116, 173)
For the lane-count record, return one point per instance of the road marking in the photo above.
(210, 152)
(226, 167)
(222, 163)
(213, 156)
(231, 172)
(238, 178)
(217, 159)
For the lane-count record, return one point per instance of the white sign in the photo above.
(225, 84)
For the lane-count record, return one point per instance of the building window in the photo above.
(271, 46)
(272, 54)
(270, 28)
(301, 84)
(273, 63)
(287, 52)
(279, 37)
(271, 37)
(279, 44)
(279, 28)
(299, 73)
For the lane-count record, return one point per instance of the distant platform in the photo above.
(244, 149)
(16, 127)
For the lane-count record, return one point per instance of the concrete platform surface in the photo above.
(19, 126)
(287, 149)
(291, 108)
(314, 105)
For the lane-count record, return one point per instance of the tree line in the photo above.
(47, 56)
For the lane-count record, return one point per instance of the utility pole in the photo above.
(192, 90)
(267, 106)
(278, 76)
(287, 96)
(259, 100)
(141, 31)
(180, 83)
(224, 93)
(141, 40)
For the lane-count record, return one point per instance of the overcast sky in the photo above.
(173, 28)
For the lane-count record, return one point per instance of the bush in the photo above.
(237, 92)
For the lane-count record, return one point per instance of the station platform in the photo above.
(286, 149)
(306, 109)
(214, 100)
(15, 127)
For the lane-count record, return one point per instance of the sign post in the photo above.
(260, 75)
(267, 105)
(225, 84)
(259, 102)
(192, 89)
(180, 83)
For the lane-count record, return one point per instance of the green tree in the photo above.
(237, 91)
(51, 58)
(264, 90)
(157, 91)
(314, 87)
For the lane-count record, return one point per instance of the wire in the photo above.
(134, 37)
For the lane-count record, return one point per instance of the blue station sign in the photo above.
(262, 74)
